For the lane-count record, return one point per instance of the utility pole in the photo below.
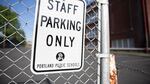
(104, 46)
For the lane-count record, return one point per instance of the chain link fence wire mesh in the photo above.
(16, 27)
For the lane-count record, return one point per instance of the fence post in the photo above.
(104, 47)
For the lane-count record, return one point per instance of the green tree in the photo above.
(10, 28)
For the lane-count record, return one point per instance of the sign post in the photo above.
(58, 43)
(104, 47)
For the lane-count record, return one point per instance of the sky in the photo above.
(26, 11)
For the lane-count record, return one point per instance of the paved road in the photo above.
(133, 69)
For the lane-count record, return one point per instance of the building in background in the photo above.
(129, 24)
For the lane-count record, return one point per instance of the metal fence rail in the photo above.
(16, 25)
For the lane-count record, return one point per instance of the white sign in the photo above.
(58, 43)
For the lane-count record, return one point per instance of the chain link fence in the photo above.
(16, 25)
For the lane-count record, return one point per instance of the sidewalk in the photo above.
(133, 68)
(131, 53)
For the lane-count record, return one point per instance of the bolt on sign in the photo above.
(58, 43)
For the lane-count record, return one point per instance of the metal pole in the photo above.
(99, 43)
(105, 43)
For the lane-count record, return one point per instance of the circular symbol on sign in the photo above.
(60, 56)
